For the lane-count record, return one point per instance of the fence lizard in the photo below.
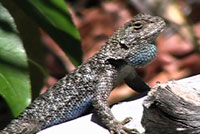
(131, 46)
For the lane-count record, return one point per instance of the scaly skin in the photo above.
(131, 46)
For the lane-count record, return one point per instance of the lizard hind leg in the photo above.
(119, 127)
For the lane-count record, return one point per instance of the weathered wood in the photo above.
(173, 108)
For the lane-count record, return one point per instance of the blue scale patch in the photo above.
(145, 56)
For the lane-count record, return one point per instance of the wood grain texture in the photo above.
(173, 108)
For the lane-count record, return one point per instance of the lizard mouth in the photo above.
(157, 32)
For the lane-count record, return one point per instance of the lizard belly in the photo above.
(78, 109)
(75, 110)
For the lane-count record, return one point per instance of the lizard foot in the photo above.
(119, 128)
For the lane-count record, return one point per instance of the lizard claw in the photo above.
(126, 120)
(119, 128)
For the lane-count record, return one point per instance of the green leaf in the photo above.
(31, 38)
(14, 77)
(55, 19)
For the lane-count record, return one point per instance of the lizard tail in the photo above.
(21, 127)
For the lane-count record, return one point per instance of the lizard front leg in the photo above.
(104, 112)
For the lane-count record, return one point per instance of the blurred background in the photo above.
(94, 22)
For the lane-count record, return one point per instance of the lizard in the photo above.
(131, 46)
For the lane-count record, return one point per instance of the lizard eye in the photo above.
(137, 25)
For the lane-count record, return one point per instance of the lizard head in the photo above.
(143, 27)
(135, 41)
(138, 38)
